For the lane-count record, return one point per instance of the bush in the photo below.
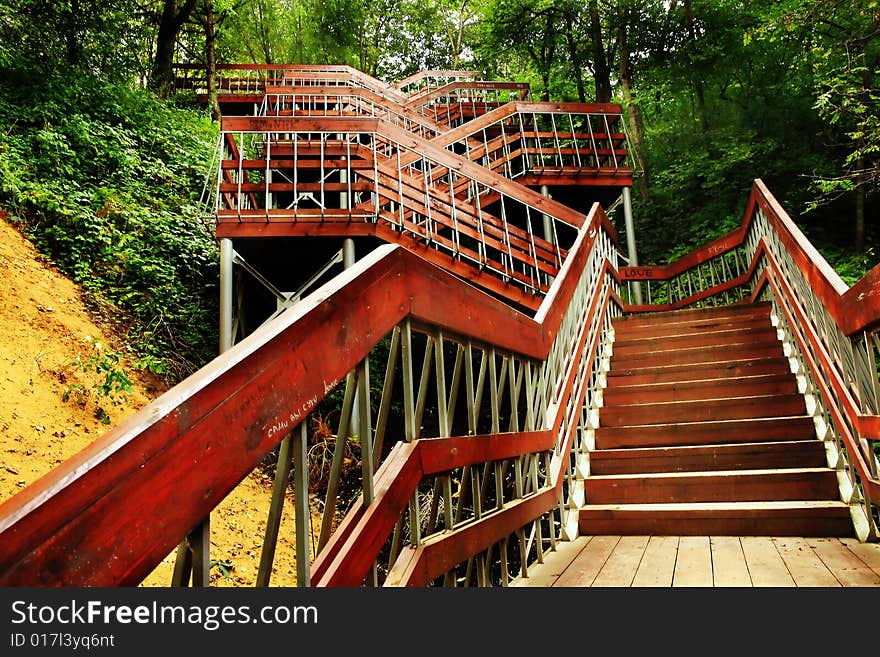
(106, 181)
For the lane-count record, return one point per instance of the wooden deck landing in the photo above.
(707, 561)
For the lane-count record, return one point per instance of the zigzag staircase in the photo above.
(535, 386)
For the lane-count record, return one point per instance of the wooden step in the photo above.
(713, 486)
(634, 374)
(632, 327)
(702, 431)
(705, 433)
(691, 458)
(787, 518)
(663, 331)
(618, 392)
(696, 355)
(760, 330)
(693, 316)
(702, 410)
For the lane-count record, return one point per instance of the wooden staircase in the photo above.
(703, 432)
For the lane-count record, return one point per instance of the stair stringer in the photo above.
(849, 494)
(592, 414)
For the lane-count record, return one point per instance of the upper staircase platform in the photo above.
(461, 171)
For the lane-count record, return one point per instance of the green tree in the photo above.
(529, 29)
(109, 38)
(170, 16)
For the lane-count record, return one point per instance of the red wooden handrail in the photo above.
(111, 513)
(854, 309)
(421, 75)
(831, 387)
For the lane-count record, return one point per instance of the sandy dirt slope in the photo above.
(44, 329)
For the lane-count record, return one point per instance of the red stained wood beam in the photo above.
(581, 177)
(347, 559)
(333, 124)
(111, 513)
(348, 556)
(444, 454)
(298, 229)
(439, 554)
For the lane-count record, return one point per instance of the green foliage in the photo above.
(110, 38)
(762, 90)
(851, 267)
(224, 566)
(113, 381)
(106, 181)
(106, 363)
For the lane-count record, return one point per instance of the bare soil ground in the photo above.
(44, 328)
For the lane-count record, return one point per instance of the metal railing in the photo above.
(333, 171)
(331, 101)
(519, 393)
(429, 80)
(458, 102)
(253, 79)
(526, 140)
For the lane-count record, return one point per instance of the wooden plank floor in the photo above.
(707, 561)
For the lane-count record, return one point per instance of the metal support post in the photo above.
(631, 240)
(194, 552)
(226, 257)
(303, 509)
(548, 226)
(548, 230)
(348, 259)
(276, 509)
(343, 195)
(348, 256)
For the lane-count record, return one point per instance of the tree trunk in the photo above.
(73, 46)
(265, 40)
(575, 60)
(545, 81)
(698, 81)
(636, 121)
(170, 22)
(211, 59)
(458, 37)
(861, 183)
(601, 70)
